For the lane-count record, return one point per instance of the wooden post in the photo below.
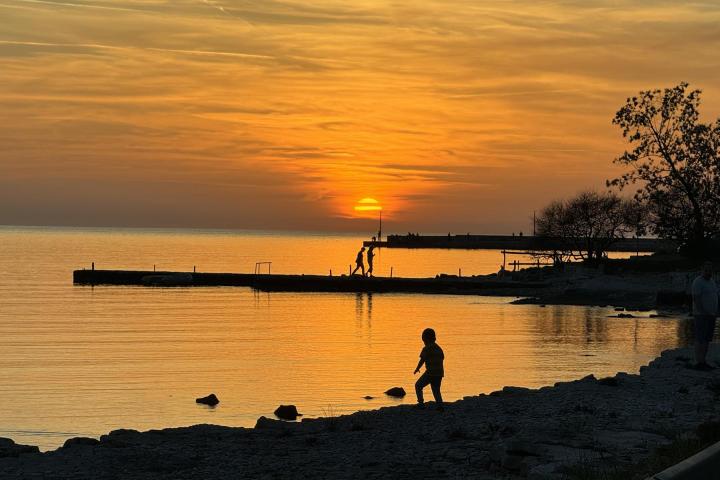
(93, 266)
(350, 270)
(193, 268)
(391, 272)
(459, 272)
(153, 267)
(331, 272)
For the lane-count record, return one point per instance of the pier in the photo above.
(486, 285)
(512, 242)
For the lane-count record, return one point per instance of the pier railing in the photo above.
(258, 267)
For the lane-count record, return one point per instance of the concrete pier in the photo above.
(310, 283)
(511, 242)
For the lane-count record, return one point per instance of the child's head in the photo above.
(428, 335)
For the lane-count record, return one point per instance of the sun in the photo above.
(367, 204)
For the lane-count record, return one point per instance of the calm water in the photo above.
(82, 361)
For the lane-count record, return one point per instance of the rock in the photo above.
(609, 381)
(8, 448)
(268, 423)
(211, 400)
(397, 392)
(441, 466)
(456, 454)
(515, 390)
(513, 462)
(497, 452)
(545, 472)
(80, 441)
(524, 448)
(368, 397)
(287, 412)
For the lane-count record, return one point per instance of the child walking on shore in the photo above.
(432, 357)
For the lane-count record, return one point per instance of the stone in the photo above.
(397, 392)
(515, 390)
(8, 448)
(211, 400)
(287, 412)
(456, 454)
(268, 423)
(368, 397)
(513, 462)
(524, 448)
(497, 452)
(547, 471)
(80, 441)
(609, 382)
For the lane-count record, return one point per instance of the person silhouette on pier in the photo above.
(359, 264)
(432, 357)
(370, 258)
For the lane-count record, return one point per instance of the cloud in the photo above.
(443, 110)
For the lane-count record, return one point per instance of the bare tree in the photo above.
(675, 159)
(587, 225)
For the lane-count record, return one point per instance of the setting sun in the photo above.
(368, 205)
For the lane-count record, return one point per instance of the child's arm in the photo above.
(420, 364)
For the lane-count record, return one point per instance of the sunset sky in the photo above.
(455, 115)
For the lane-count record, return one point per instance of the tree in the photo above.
(588, 224)
(676, 160)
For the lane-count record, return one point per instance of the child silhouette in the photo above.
(432, 357)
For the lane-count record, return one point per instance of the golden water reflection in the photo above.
(88, 360)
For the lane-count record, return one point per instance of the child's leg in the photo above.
(435, 383)
(422, 382)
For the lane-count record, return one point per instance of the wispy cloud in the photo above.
(95, 46)
(444, 110)
(80, 5)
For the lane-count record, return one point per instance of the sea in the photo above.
(82, 361)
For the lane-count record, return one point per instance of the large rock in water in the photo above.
(210, 400)
(397, 392)
(287, 412)
(8, 448)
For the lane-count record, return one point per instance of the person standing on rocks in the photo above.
(432, 357)
(705, 310)
(359, 264)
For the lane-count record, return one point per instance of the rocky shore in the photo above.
(513, 433)
(578, 285)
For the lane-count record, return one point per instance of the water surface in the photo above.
(82, 361)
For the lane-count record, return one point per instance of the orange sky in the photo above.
(456, 115)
